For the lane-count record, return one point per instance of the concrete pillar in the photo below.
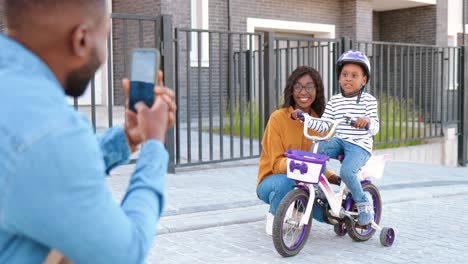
(442, 23)
(450, 146)
(357, 19)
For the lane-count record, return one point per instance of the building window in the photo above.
(199, 20)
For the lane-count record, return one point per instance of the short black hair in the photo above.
(319, 104)
(17, 12)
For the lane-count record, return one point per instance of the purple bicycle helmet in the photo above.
(358, 57)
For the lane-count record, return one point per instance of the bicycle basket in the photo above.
(305, 166)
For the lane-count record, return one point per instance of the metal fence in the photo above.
(219, 90)
(228, 83)
(417, 89)
(128, 32)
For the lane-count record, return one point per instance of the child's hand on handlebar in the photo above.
(361, 122)
(297, 115)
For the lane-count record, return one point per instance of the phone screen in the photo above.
(144, 66)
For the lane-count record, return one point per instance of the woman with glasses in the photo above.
(304, 91)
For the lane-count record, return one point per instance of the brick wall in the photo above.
(363, 20)
(2, 26)
(312, 11)
(180, 11)
(412, 25)
(357, 19)
(121, 57)
(441, 24)
(142, 7)
(375, 26)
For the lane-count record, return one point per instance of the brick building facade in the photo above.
(353, 18)
(357, 19)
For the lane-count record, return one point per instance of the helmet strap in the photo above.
(358, 94)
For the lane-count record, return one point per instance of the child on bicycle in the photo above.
(354, 141)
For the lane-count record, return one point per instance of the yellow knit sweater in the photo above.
(281, 134)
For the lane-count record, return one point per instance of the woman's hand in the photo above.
(296, 114)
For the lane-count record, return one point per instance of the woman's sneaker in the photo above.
(269, 224)
(365, 211)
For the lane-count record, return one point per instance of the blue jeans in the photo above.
(355, 158)
(273, 188)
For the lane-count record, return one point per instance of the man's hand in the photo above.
(153, 122)
(132, 129)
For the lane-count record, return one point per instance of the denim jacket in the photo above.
(53, 191)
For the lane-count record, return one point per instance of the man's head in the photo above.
(69, 36)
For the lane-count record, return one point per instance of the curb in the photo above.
(248, 214)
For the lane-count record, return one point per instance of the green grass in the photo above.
(390, 111)
(236, 122)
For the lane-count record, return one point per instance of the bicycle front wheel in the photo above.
(289, 236)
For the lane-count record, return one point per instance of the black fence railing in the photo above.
(219, 93)
(289, 53)
(104, 104)
(417, 89)
(228, 83)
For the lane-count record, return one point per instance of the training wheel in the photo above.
(387, 235)
(340, 229)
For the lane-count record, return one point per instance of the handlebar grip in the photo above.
(352, 123)
(300, 116)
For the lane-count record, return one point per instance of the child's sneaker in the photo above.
(365, 211)
(269, 224)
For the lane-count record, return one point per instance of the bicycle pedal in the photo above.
(363, 226)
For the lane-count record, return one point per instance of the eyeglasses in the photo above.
(309, 88)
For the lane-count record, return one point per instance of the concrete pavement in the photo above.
(224, 194)
(427, 231)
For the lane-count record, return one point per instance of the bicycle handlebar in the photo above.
(351, 122)
(305, 118)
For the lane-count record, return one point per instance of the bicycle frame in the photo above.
(334, 199)
(307, 170)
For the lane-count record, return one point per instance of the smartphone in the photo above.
(144, 69)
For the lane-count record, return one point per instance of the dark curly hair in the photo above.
(319, 104)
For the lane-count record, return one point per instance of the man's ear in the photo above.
(80, 40)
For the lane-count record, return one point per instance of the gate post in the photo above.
(463, 97)
(167, 63)
(269, 76)
(346, 44)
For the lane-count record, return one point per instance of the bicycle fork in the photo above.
(310, 204)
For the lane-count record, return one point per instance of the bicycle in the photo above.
(293, 218)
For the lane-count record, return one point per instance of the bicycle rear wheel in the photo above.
(289, 237)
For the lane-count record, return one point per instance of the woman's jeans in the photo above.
(355, 158)
(274, 187)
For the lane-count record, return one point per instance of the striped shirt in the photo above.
(339, 106)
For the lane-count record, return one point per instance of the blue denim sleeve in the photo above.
(59, 199)
(114, 147)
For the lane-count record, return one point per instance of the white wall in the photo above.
(454, 9)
